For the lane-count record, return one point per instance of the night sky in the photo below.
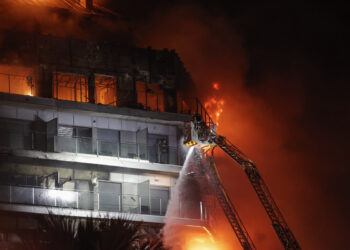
(284, 77)
(283, 72)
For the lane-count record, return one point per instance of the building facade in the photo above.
(91, 129)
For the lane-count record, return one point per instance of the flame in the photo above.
(215, 105)
(200, 238)
(216, 86)
(201, 243)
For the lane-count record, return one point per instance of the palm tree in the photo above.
(64, 233)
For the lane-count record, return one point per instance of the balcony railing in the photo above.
(88, 200)
(157, 154)
(38, 141)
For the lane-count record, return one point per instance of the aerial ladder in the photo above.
(202, 130)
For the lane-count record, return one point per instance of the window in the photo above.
(74, 139)
(17, 80)
(107, 142)
(158, 149)
(106, 90)
(26, 180)
(150, 96)
(80, 132)
(71, 87)
(159, 200)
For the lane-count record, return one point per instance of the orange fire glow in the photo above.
(216, 86)
(215, 105)
(199, 238)
(190, 237)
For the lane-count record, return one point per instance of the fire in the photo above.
(201, 243)
(191, 237)
(200, 238)
(216, 86)
(215, 104)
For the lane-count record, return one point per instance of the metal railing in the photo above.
(89, 200)
(164, 154)
(201, 111)
(80, 145)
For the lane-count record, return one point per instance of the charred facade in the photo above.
(100, 73)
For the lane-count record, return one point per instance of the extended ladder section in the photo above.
(228, 208)
(278, 222)
(205, 132)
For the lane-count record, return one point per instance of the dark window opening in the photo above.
(71, 87)
(106, 90)
(150, 96)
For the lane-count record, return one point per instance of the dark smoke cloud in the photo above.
(45, 17)
(283, 79)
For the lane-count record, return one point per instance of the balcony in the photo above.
(103, 204)
(80, 145)
(138, 151)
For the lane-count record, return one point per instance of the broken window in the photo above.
(106, 90)
(71, 87)
(150, 96)
(16, 80)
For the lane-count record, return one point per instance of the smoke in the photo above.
(184, 203)
(282, 79)
(47, 17)
(273, 92)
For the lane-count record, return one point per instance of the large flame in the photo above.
(190, 237)
(215, 104)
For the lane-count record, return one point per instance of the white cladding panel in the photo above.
(132, 178)
(26, 114)
(141, 125)
(114, 124)
(8, 111)
(46, 115)
(155, 179)
(101, 122)
(158, 129)
(65, 118)
(159, 180)
(129, 125)
(116, 177)
(82, 120)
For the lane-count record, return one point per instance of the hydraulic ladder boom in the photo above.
(278, 222)
(228, 208)
(203, 131)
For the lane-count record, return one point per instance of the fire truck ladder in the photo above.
(228, 208)
(279, 224)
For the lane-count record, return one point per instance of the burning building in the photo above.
(89, 128)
